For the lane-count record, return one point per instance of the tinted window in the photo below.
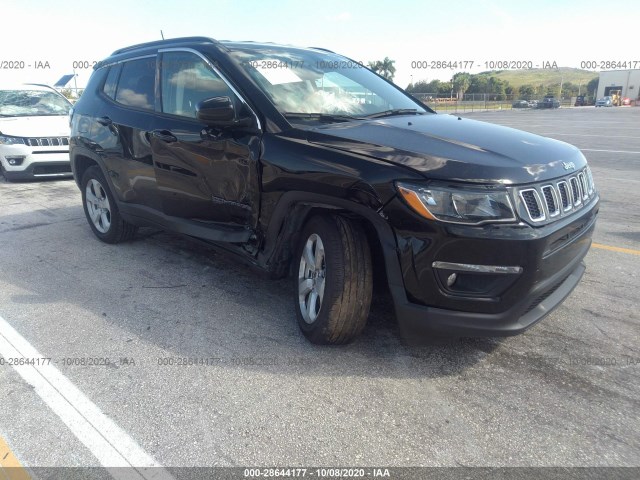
(186, 80)
(112, 79)
(136, 84)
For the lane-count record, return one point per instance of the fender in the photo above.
(291, 212)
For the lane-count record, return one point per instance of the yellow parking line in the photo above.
(616, 249)
(10, 468)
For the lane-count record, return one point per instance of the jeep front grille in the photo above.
(549, 201)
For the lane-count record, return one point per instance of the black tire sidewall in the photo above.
(326, 228)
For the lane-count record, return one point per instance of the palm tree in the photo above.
(387, 70)
(384, 67)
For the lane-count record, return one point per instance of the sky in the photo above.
(41, 40)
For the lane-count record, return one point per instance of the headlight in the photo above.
(4, 140)
(471, 206)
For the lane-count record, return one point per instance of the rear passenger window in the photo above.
(136, 85)
(186, 80)
(112, 80)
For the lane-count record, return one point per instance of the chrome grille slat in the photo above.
(563, 188)
(551, 200)
(575, 191)
(583, 185)
(590, 178)
(532, 203)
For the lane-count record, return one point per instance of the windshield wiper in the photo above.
(395, 111)
(323, 117)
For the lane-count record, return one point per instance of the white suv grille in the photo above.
(46, 141)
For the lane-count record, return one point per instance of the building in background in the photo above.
(625, 81)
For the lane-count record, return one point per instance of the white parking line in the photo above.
(111, 445)
(608, 151)
(635, 137)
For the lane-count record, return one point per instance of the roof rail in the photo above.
(168, 41)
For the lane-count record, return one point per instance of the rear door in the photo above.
(123, 128)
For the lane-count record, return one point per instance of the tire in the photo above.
(333, 280)
(101, 209)
(2, 170)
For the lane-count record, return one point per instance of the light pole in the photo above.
(561, 82)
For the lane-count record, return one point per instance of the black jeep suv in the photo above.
(308, 164)
(549, 101)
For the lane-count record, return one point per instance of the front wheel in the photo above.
(101, 209)
(333, 280)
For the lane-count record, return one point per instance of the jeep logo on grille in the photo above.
(569, 165)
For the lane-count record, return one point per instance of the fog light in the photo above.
(451, 279)
(14, 160)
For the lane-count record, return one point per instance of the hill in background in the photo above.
(546, 77)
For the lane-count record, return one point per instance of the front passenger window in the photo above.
(186, 80)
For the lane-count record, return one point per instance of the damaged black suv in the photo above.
(308, 164)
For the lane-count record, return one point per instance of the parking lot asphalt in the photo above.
(565, 393)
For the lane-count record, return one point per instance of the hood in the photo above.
(445, 147)
(36, 126)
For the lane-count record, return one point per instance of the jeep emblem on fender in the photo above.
(569, 165)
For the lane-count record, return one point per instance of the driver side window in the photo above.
(186, 79)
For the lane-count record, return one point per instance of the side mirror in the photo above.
(219, 112)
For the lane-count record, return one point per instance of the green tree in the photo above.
(461, 82)
(526, 90)
(421, 86)
(478, 83)
(495, 87)
(592, 87)
(384, 67)
(569, 89)
(424, 86)
(67, 93)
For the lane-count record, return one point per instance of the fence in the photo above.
(486, 101)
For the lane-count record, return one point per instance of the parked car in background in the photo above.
(534, 104)
(581, 101)
(34, 132)
(549, 101)
(626, 101)
(309, 165)
(520, 104)
(605, 102)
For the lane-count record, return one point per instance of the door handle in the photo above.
(164, 135)
(106, 121)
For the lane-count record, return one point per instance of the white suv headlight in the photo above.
(468, 205)
(5, 140)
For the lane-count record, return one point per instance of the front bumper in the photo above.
(35, 162)
(40, 170)
(551, 258)
(417, 321)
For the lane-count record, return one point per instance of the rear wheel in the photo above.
(333, 280)
(101, 209)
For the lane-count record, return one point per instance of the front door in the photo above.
(205, 176)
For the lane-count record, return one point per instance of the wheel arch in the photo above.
(295, 208)
(81, 160)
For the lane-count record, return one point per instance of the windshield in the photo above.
(23, 103)
(308, 82)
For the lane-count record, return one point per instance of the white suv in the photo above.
(34, 132)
